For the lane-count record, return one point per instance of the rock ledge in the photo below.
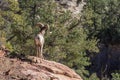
(15, 69)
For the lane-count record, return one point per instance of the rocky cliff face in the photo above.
(74, 6)
(28, 69)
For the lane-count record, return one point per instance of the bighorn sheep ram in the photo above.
(39, 39)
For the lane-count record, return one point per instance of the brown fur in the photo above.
(38, 44)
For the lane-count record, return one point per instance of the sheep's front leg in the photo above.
(42, 52)
(37, 51)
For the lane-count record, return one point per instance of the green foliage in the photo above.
(116, 76)
(10, 21)
(93, 77)
(101, 18)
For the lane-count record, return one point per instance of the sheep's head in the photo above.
(43, 28)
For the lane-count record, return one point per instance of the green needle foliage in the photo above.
(101, 18)
(116, 76)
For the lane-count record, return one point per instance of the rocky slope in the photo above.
(29, 69)
(74, 6)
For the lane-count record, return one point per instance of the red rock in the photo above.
(14, 69)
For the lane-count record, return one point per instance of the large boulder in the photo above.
(29, 69)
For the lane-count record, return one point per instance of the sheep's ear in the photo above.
(39, 25)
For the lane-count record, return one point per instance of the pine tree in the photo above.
(9, 20)
(101, 19)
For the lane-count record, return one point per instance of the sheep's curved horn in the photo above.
(40, 24)
(46, 26)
